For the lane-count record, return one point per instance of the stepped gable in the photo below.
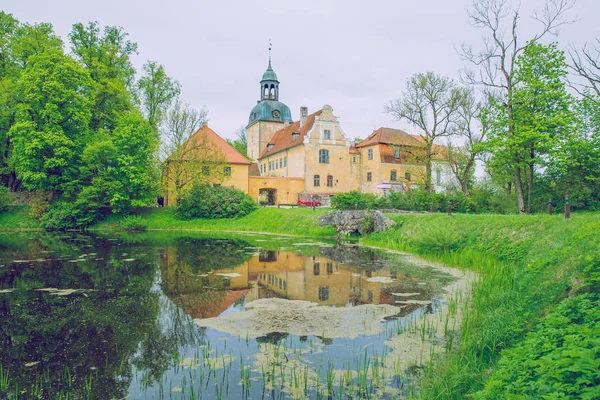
(282, 139)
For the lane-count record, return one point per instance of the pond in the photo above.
(165, 315)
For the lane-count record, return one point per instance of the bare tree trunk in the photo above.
(530, 188)
(428, 168)
(519, 190)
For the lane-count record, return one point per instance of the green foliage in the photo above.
(134, 223)
(68, 215)
(354, 200)
(38, 205)
(51, 121)
(5, 199)
(157, 91)
(367, 224)
(205, 201)
(560, 360)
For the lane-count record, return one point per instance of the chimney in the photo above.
(286, 122)
(303, 115)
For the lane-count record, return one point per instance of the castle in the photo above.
(314, 158)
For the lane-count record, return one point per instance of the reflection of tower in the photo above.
(269, 114)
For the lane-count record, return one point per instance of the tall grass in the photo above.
(528, 264)
(299, 221)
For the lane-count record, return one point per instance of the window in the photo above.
(324, 293)
(330, 180)
(324, 156)
(438, 177)
(285, 161)
(281, 163)
(370, 296)
(317, 269)
(393, 176)
(369, 176)
(252, 139)
(397, 151)
(327, 134)
(294, 136)
(407, 176)
(269, 147)
(284, 285)
(269, 165)
(317, 180)
(205, 170)
(354, 159)
(329, 268)
(370, 154)
(227, 171)
(226, 281)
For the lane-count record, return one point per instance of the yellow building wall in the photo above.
(339, 157)
(238, 179)
(373, 166)
(287, 189)
(259, 134)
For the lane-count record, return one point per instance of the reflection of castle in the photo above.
(276, 274)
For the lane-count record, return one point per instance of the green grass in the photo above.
(528, 265)
(17, 218)
(297, 221)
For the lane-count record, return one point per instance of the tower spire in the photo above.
(270, 46)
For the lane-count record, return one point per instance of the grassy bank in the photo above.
(297, 221)
(17, 218)
(529, 265)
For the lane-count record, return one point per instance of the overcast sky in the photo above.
(353, 55)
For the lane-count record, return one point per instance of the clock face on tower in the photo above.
(275, 113)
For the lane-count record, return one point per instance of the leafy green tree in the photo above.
(52, 115)
(120, 167)
(495, 63)
(157, 92)
(541, 113)
(107, 59)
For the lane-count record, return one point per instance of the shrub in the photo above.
(5, 199)
(39, 204)
(354, 201)
(134, 223)
(65, 214)
(205, 201)
(367, 224)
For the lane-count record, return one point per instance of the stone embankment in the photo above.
(351, 221)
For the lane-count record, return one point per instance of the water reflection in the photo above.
(110, 316)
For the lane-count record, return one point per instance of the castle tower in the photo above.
(268, 116)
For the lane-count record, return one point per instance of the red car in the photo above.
(309, 203)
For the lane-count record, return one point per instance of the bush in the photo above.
(5, 199)
(39, 204)
(134, 223)
(64, 214)
(367, 224)
(205, 201)
(354, 201)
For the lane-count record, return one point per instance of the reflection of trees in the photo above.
(203, 255)
(81, 335)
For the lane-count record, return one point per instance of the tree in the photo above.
(430, 102)
(189, 156)
(157, 91)
(541, 113)
(587, 64)
(495, 64)
(240, 143)
(52, 116)
(462, 159)
(107, 59)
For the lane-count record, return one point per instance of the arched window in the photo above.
(324, 156)
(317, 180)
(266, 91)
(330, 180)
(272, 93)
(393, 176)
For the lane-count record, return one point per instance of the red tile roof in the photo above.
(388, 137)
(282, 139)
(391, 136)
(231, 155)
